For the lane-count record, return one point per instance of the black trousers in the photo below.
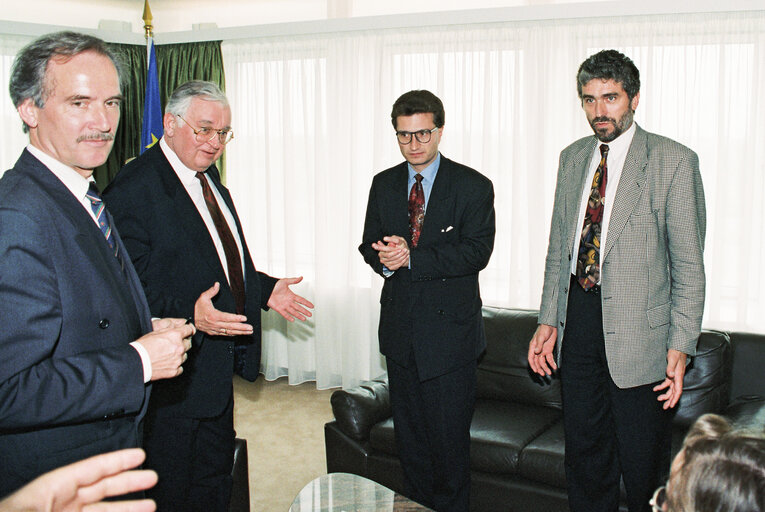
(610, 433)
(432, 424)
(193, 458)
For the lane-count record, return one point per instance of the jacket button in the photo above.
(440, 311)
(104, 323)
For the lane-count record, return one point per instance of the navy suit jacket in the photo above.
(434, 308)
(176, 260)
(71, 386)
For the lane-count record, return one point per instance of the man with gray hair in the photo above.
(184, 236)
(77, 348)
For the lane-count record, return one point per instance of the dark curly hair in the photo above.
(609, 65)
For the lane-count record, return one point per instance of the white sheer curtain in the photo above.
(13, 139)
(311, 115)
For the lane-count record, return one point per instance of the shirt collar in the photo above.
(73, 180)
(186, 175)
(621, 143)
(428, 173)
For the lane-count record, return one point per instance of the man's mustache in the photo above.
(603, 120)
(96, 136)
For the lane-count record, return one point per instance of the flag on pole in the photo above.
(151, 130)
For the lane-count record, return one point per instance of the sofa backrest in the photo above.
(748, 364)
(706, 385)
(503, 372)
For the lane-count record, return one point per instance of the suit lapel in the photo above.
(398, 203)
(439, 203)
(192, 225)
(630, 188)
(87, 236)
(577, 174)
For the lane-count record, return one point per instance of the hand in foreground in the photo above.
(215, 322)
(541, 350)
(393, 252)
(287, 303)
(81, 486)
(167, 345)
(673, 383)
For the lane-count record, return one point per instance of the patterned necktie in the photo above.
(233, 260)
(588, 261)
(99, 210)
(416, 209)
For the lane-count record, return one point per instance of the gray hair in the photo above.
(28, 73)
(179, 102)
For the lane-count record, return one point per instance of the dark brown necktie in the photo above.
(416, 209)
(588, 261)
(233, 260)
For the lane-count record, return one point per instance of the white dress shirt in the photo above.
(617, 154)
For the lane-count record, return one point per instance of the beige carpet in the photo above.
(284, 428)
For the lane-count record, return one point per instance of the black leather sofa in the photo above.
(517, 432)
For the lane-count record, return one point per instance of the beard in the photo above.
(619, 126)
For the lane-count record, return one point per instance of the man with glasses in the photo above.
(429, 230)
(182, 232)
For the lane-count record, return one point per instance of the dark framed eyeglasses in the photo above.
(205, 134)
(422, 136)
(659, 500)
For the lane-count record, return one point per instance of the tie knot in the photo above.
(418, 177)
(604, 149)
(93, 194)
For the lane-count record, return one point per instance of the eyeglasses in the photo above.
(205, 134)
(422, 136)
(659, 500)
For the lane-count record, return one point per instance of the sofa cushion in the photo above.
(542, 459)
(706, 386)
(503, 373)
(501, 430)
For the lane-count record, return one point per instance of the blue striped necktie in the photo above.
(99, 210)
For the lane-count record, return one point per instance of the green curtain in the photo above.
(176, 64)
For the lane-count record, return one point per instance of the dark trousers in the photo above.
(610, 432)
(432, 425)
(193, 458)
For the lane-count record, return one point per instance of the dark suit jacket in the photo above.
(441, 290)
(70, 384)
(176, 260)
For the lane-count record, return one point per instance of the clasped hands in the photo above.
(393, 252)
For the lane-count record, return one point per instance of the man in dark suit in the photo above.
(185, 239)
(72, 384)
(429, 230)
(623, 291)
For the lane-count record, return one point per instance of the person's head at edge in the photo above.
(718, 468)
(416, 116)
(608, 84)
(66, 89)
(197, 116)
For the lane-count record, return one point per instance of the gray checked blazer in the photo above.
(652, 276)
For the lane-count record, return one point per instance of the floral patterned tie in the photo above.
(588, 261)
(416, 209)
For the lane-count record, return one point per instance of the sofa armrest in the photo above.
(357, 409)
(747, 412)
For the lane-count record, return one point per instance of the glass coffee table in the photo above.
(344, 492)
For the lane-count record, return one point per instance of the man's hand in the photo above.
(673, 383)
(541, 350)
(216, 322)
(167, 346)
(74, 487)
(287, 303)
(393, 253)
